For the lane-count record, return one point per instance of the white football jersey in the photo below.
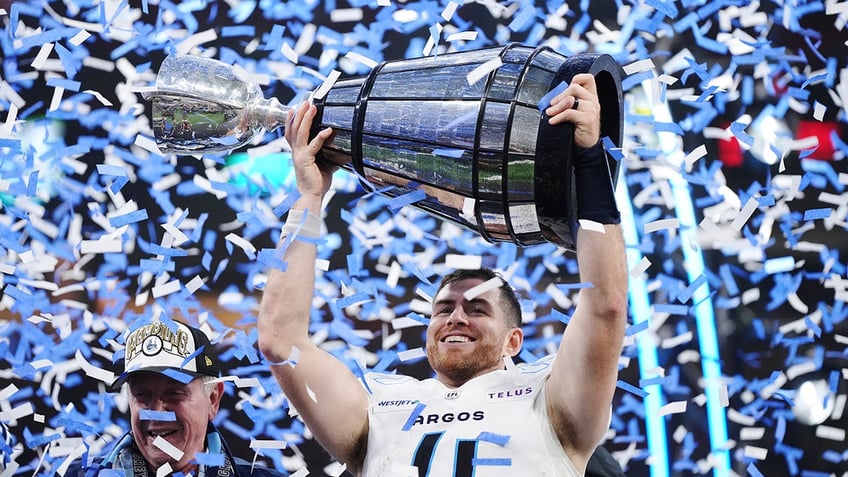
(495, 425)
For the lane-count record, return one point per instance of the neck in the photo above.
(190, 468)
(457, 379)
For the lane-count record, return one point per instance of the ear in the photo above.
(514, 341)
(215, 399)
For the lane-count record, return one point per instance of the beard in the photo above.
(460, 366)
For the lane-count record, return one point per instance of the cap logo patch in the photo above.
(152, 339)
(152, 345)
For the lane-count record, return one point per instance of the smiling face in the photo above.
(193, 405)
(469, 337)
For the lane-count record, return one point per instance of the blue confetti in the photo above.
(148, 415)
(545, 101)
(410, 421)
(671, 309)
(630, 388)
(129, 218)
(686, 294)
(491, 461)
(205, 458)
(179, 376)
(401, 201)
(67, 84)
(814, 214)
(498, 439)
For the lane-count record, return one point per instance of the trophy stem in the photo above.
(269, 114)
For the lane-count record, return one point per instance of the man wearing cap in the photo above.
(170, 372)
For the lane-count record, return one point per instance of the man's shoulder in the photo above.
(76, 469)
(388, 379)
(540, 366)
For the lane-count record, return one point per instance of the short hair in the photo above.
(209, 383)
(508, 297)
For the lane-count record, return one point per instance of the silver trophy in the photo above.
(201, 106)
(466, 128)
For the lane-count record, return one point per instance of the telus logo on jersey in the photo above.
(509, 393)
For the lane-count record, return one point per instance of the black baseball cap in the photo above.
(160, 347)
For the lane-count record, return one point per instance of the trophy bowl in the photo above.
(201, 106)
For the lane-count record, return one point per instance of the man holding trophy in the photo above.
(480, 415)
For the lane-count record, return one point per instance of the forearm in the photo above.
(283, 320)
(600, 254)
(601, 263)
(325, 393)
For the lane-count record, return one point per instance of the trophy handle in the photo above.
(556, 199)
(328, 158)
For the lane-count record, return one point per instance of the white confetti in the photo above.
(638, 66)
(92, 371)
(678, 340)
(80, 37)
(352, 55)
(757, 453)
(491, 284)
(662, 224)
(339, 15)
(463, 262)
(694, 156)
(164, 469)
(105, 245)
(830, 432)
(449, 10)
(41, 58)
(405, 322)
(483, 70)
(640, 267)
(194, 284)
(462, 36)
(267, 444)
(196, 39)
(411, 354)
(241, 242)
(592, 226)
(745, 214)
(677, 407)
(166, 289)
(327, 84)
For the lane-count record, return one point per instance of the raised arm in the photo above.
(332, 403)
(582, 382)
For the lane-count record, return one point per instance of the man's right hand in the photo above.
(312, 180)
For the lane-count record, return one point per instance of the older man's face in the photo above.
(193, 405)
